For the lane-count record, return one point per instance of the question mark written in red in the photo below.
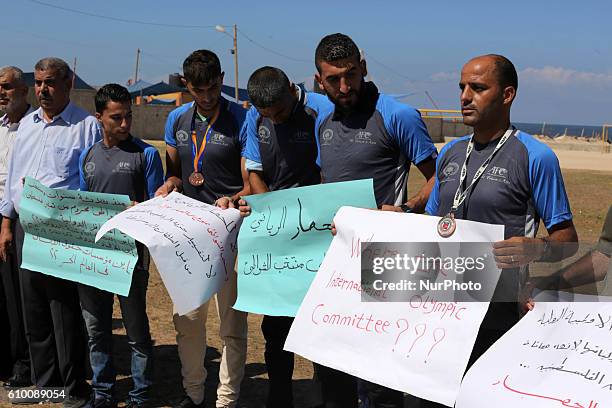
(423, 326)
(442, 333)
(400, 333)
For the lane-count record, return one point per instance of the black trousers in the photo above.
(54, 329)
(279, 362)
(6, 364)
(338, 389)
(18, 346)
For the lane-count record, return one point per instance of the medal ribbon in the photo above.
(461, 195)
(197, 156)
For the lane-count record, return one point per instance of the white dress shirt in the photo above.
(48, 152)
(8, 131)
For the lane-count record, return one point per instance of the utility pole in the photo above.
(73, 72)
(235, 52)
(137, 61)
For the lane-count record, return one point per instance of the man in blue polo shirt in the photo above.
(119, 164)
(500, 175)
(281, 153)
(367, 135)
(204, 148)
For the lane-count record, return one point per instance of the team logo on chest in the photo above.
(264, 134)
(451, 169)
(218, 139)
(364, 137)
(89, 168)
(301, 137)
(182, 137)
(326, 137)
(497, 174)
(123, 167)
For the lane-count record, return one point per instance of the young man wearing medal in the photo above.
(204, 148)
(500, 175)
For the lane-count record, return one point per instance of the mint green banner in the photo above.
(283, 242)
(60, 228)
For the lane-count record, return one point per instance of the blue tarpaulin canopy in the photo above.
(140, 84)
(163, 102)
(242, 93)
(229, 91)
(142, 88)
(159, 88)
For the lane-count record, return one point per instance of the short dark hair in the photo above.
(267, 86)
(111, 92)
(201, 67)
(334, 47)
(505, 70)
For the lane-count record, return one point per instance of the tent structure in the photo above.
(140, 84)
(156, 89)
(229, 91)
(144, 89)
(243, 94)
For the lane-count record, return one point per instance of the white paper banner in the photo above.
(193, 244)
(417, 347)
(558, 355)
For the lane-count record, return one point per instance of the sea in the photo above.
(556, 130)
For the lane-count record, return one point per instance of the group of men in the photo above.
(217, 152)
(54, 322)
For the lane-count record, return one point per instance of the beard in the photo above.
(347, 105)
(11, 107)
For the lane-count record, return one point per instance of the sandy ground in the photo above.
(578, 160)
(590, 194)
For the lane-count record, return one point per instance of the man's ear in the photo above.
(319, 81)
(98, 116)
(184, 82)
(364, 68)
(293, 88)
(509, 94)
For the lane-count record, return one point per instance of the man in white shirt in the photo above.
(13, 92)
(47, 148)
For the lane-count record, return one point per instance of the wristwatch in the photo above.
(406, 208)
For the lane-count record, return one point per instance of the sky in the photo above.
(561, 49)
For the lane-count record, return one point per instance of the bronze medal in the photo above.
(447, 226)
(196, 179)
